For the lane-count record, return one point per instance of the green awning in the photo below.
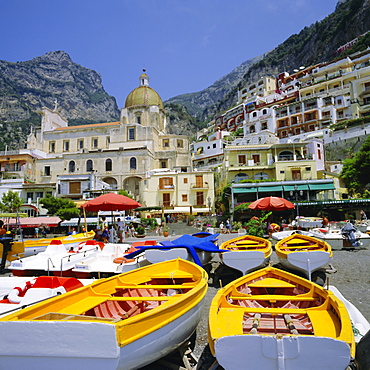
(264, 189)
(245, 190)
(327, 186)
(299, 187)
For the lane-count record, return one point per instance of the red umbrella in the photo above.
(110, 202)
(271, 204)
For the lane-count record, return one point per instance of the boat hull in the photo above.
(305, 262)
(245, 261)
(94, 344)
(32, 247)
(124, 322)
(337, 242)
(272, 319)
(285, 353)
(159, 255)
(303, 253)
(246, 253)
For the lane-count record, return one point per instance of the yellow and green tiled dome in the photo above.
(143, 95)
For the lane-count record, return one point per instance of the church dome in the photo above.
(143, 95)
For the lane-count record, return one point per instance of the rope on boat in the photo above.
(256, 321)
(290, 325)
(356, 331)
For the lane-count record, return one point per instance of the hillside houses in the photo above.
(270, 143)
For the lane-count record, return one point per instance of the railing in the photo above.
(49, 259)
(166, 187)
(71, 256)
(200, 186)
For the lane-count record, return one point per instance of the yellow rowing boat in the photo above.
(303, 253)
(246, 253)
(271, 319)
(123, 322)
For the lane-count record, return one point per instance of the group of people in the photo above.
(105, 234)
(225, 228)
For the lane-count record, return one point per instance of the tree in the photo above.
(61, 207)
(125, 193)
(355, 172)
(10, 202)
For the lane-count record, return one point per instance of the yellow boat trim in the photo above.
(271, 283)
(73, 305)
(329, 318)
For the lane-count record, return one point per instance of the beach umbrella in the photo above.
(111, 202)
(271, 204)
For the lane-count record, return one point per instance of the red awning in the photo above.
(33, 221)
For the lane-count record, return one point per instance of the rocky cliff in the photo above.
(314, 44)
(26, 87)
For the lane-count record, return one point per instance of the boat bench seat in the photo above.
(174, 275)
(87, 304)
(324, 323)
(230, 320)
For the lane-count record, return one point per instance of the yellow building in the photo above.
(86, 159)
(179, 192)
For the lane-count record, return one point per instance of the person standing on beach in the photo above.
(119, 229)
(228, 226)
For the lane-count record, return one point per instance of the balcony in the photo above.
(166, 187)
(197, 186)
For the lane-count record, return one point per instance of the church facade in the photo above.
(82, 160)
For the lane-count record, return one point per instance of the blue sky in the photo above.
(185, 45)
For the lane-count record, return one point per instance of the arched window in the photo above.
(132, 163)
(71, 166)
(261, 176)
(241, 176)
(285, 155)
(89, 165)
(108, 165)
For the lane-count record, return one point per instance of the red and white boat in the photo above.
(19, 292)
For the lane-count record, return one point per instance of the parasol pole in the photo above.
(85, 221)
(124, 225)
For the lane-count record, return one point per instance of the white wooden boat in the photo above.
(245, 253)
(338, 239)
(20, 292)
(109, 261)
(303, 253)
(123, 322)
(271, 319)
(55, 260)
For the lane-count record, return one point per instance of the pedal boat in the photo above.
(246, 253)
(54, 260)
(35, 246)
(303, 253)
(272, 319)
(109, 261)
(124, 322)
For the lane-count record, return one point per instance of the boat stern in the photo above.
(281, 352)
